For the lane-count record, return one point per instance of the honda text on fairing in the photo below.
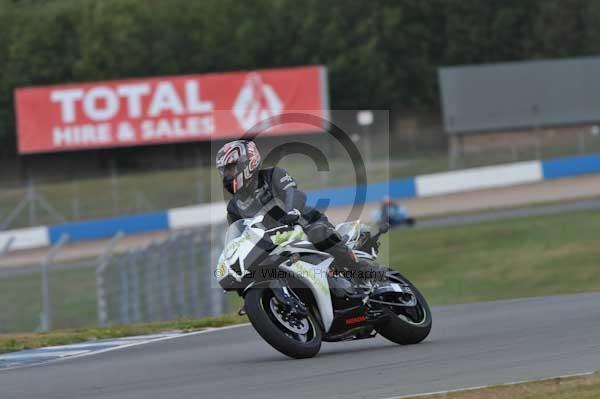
(295, 299)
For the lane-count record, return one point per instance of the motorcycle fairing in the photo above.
(315, 277)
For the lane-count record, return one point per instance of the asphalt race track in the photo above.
(471, 345)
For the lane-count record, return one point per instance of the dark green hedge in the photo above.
(380, 54)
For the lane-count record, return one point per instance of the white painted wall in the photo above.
(197, 215)
(33, 237)
(478, 178)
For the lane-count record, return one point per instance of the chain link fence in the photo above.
(166, 280)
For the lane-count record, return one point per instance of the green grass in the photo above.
(73, 300)
(15, 342)
(544, 255)
(584, 387)
(102, 197)
(73, 294)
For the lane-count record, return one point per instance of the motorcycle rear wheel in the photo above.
(408, 328)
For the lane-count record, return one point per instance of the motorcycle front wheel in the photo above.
(294, 336)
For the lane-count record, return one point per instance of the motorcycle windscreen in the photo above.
(259, 252)
(273, 215)
(235, 230)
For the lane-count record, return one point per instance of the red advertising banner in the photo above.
(167, 109)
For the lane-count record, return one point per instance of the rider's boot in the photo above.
(345, 260)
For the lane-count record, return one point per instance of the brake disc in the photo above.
(288, 319)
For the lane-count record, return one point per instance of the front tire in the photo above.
(410, 328)
(271, 328)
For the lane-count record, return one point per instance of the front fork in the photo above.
(287, 298)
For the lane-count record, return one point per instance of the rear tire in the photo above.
(400, 329)
(272, 331)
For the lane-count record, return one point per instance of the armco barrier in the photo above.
(571, 166)
(342, 196)
(420, 186)
(104, 228)
(33, 237)
(197, 215)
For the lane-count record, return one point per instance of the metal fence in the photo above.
(166, 280)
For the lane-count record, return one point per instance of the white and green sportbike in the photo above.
(295, 300)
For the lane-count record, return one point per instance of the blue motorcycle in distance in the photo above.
(393, 215)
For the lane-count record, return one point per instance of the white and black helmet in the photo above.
(238, 162)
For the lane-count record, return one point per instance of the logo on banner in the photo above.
(256, 104)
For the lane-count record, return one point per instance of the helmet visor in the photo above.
(229, 171)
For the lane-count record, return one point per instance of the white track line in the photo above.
(41, 355)
(114, 348)
(506, 384)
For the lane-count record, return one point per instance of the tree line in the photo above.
(380, 54)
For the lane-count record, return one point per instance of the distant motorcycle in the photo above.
(393, 215)
(295, 300)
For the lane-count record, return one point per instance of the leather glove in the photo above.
(291, 218)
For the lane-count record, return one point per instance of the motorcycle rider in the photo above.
(274, 193)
